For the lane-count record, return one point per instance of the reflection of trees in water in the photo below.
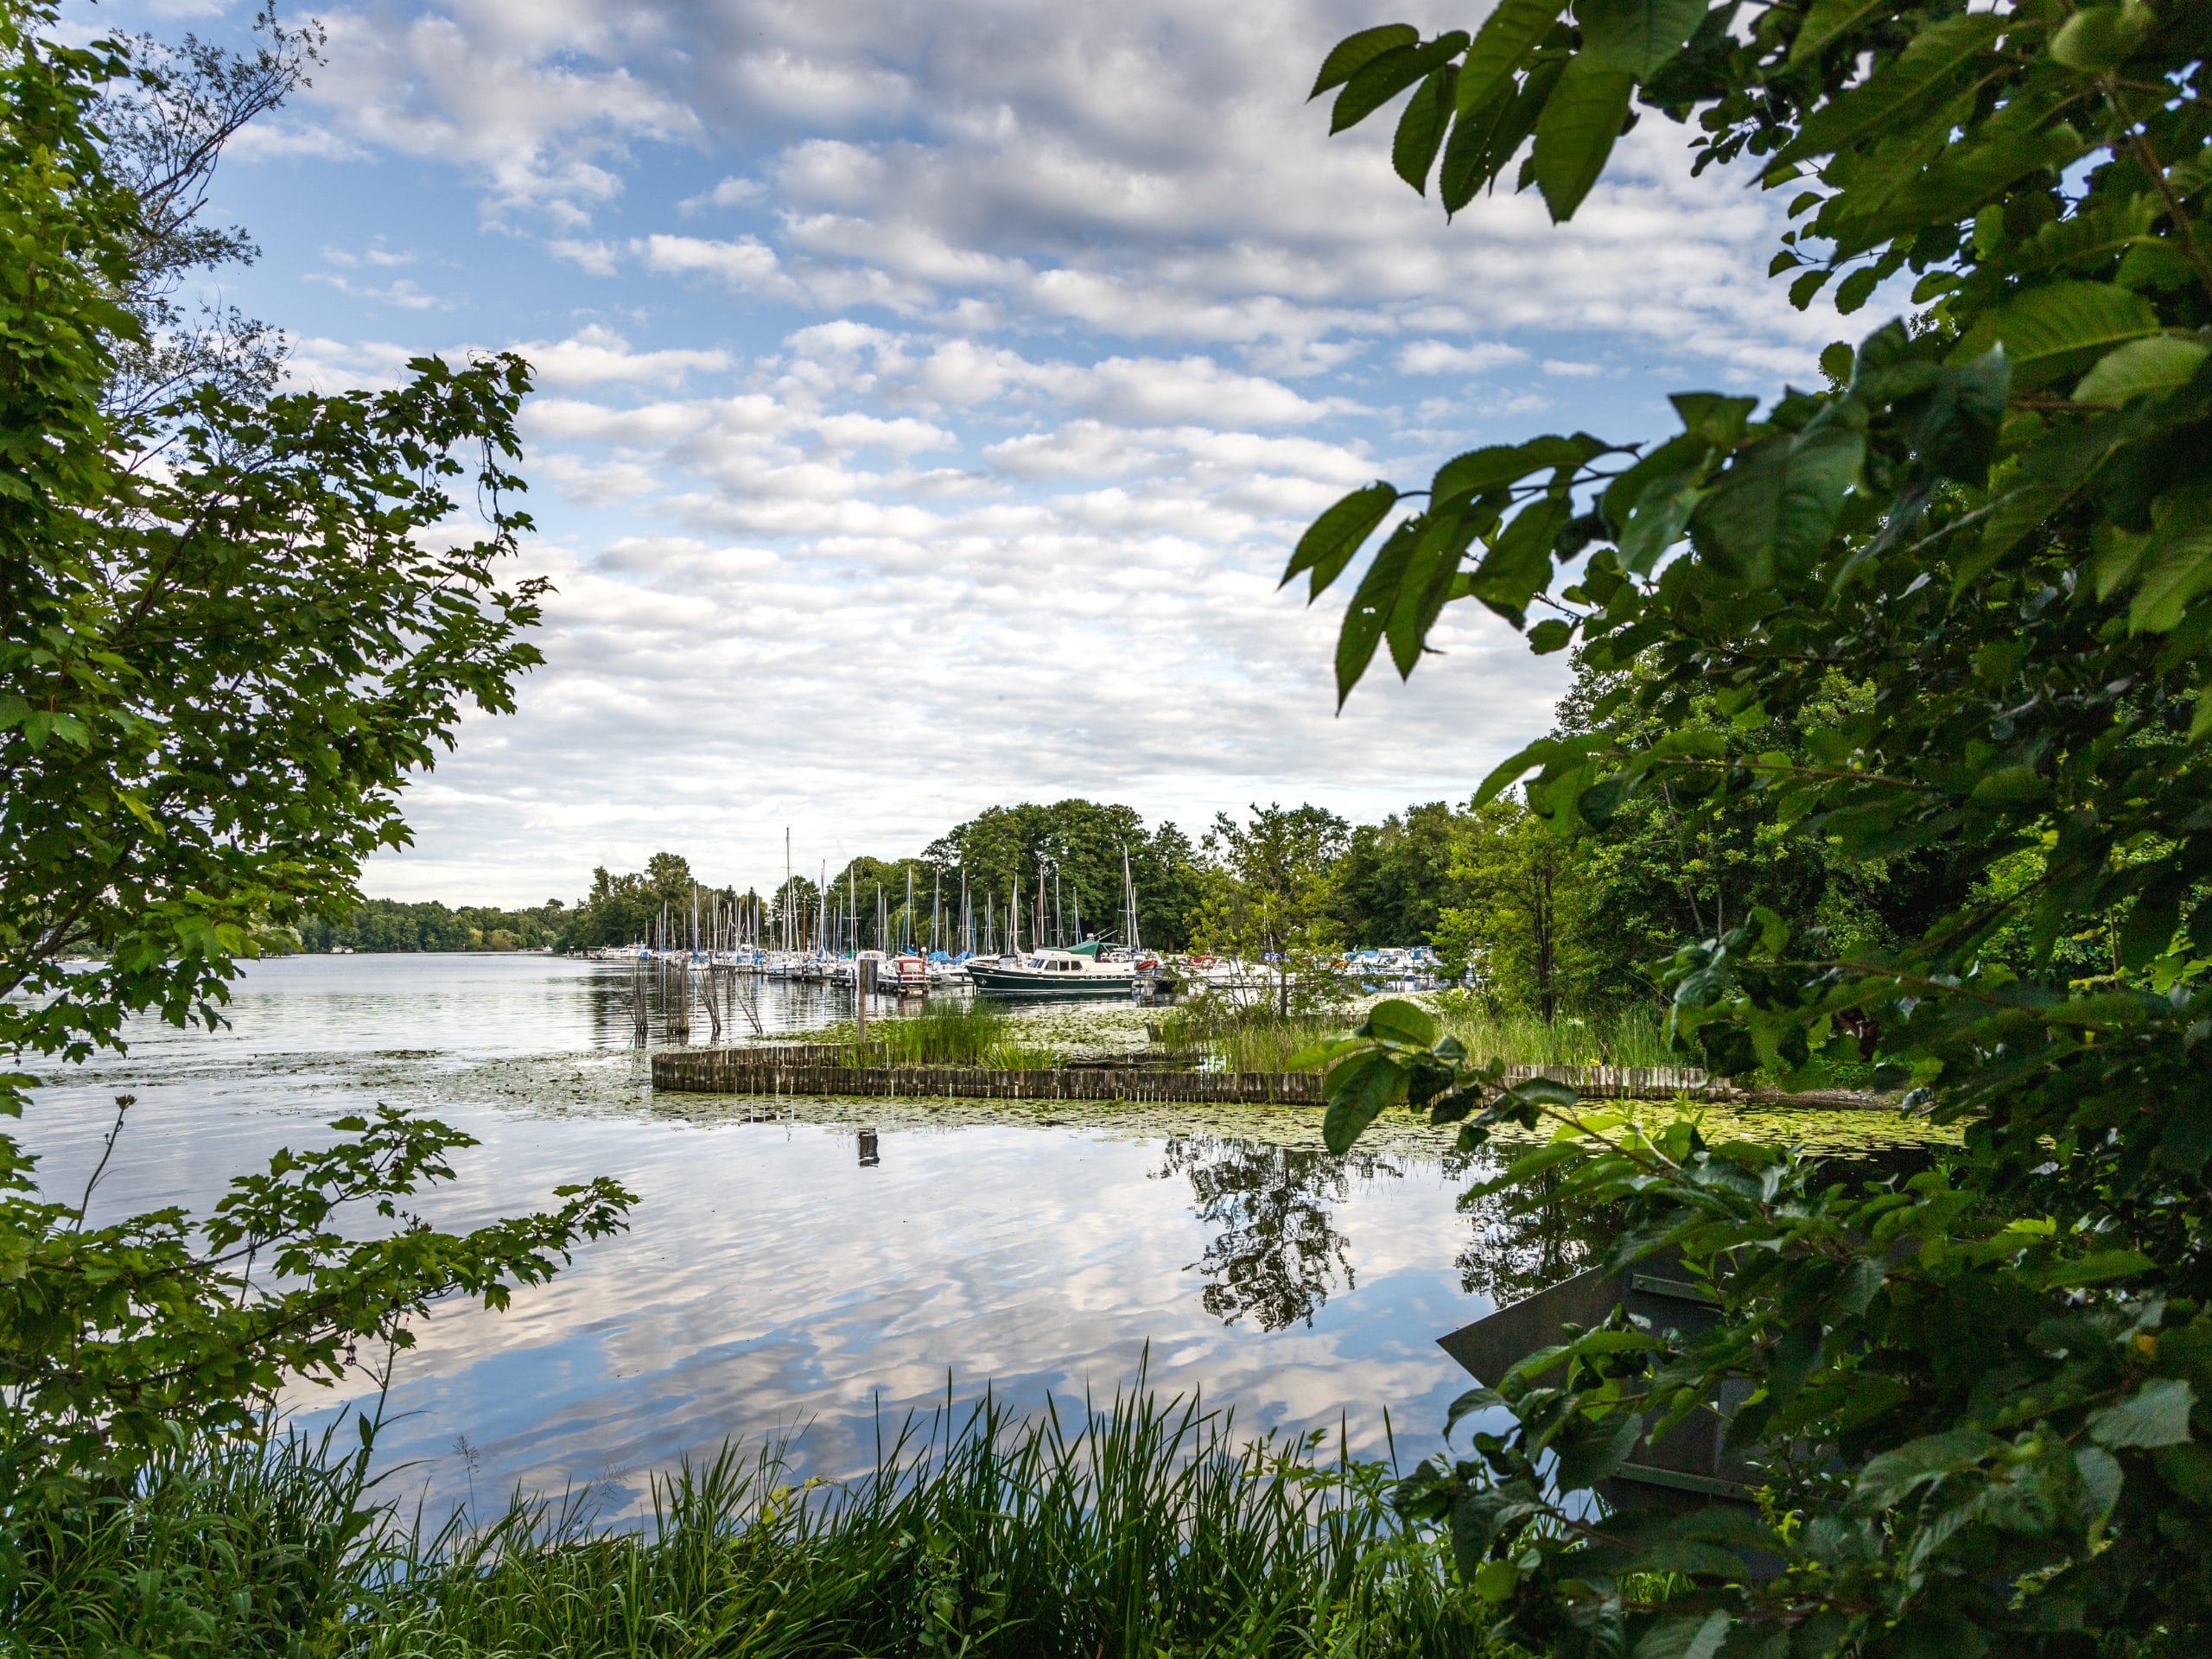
(1275, 1253)
(1518, 1249)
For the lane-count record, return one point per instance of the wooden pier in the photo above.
(818, 1070)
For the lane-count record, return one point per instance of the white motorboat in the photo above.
(1080, 971)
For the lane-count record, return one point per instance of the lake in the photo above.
(818, 1270)
(783, 1274)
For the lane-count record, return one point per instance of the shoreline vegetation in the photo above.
(1143, 1525)
(1213, 1034)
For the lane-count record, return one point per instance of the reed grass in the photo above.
(1636, 1035)
(1228, 1038)
(1146, 1526)
(950, 1033)
(1259, 1039)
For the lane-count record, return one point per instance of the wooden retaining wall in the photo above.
(788, 1069)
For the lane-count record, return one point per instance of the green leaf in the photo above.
(1714, 417)
(1925, 68)
(1518, 566)
(2048, 330)
(1545, 1091)
(1857, 288)
(1575, 134)
(1358, 1089)
(1822, 466)
(1480, 471)
(2098, 38)
(2175, 565)
(1552, 633)
(1886, 1480)
(2156, 1415)
(1494, 1580)
(1355, 52)
(1676, 460)
(1370, 606)
(1476, 1399)
(1425, 583)
(1505, 38)
(1685, 1636)
(2097, 230)
(2155, 366)
(1827, 20)
(1956, 422)
(2101, 1478)
(1468, 164)
(1396, 1020)
(1657, 523)
(1637, 36)
(2097, 1268)
(1592, 1451)
(1376, 83)
(1420, 128)
(1331, 540)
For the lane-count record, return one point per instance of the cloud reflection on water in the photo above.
(772, 1281)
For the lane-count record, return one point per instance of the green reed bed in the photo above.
(1145, 1528)
(1234, 1038)
(964, 1032)
(1260, 1040)
(1636, 1035)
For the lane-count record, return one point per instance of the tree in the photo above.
(217, 673)
(1393, 875)
(1975, 1394)
(1658, 872)
(1516, 921)
(1085, 842)
(1268, 891)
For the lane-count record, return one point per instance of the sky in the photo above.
(930, 394)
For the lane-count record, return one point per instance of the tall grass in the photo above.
(236, 1547)
(1259, 1039)
(1225, 1037)
(1141, 1529)
(962, 1033)
(1631, 1036)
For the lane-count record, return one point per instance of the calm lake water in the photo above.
(774, 1281)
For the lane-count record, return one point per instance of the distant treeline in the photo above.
(390, 924)
(1542, 922)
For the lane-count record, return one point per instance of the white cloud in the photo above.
(998, 351)
(747, 264)
(596, 355)
(595, 257)
(1441, 357)
(403, 293)
(735, 192)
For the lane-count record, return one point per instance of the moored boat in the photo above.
(1080, 971)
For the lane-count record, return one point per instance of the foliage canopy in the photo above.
(1976, 1394)
(232, 621)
